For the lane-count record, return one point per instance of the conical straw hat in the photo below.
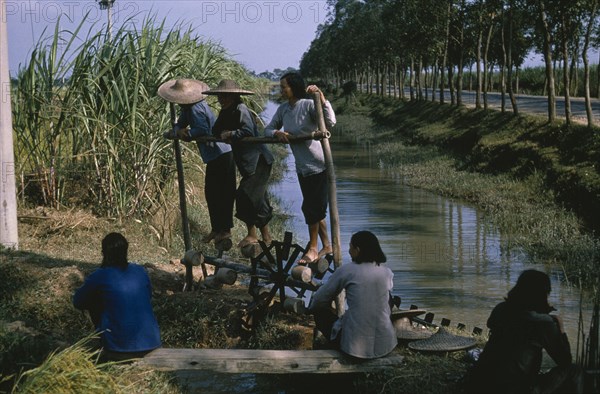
(227, 86)
(182, 91)
(400, 313)
(443, 341)
(406, 331)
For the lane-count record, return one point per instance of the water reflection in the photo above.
(445, 257)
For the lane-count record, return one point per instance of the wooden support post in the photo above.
(334, 218)
(333, 209)
(187, 240)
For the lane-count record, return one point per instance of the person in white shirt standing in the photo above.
(298, 117)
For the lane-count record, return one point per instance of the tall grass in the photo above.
(87, 119)
(76, 370)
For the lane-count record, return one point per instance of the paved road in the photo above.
(538, 104)
(532, 104)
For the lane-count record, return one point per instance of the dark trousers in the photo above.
(324, 320)
(567, 379)
(252, 200)
(314, 196)
(219, 191)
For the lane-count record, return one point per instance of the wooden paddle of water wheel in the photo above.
(273, 271)
(291, 281)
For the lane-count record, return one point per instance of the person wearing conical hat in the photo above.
(196, 120)
(253, 161)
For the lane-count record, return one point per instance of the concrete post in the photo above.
(8, 197)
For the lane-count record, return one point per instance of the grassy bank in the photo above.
(421, 142)
(538, 183)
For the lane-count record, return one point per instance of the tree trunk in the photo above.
(586, 66)
(395, 79)
(451, 85)
(379, 78)
(478, 59)
(512, 88)
(461, 40)
(574, 71)
(503, 65)
(598, 77)
(384, 80)
(434, 84)
(445, 55)
(566, 79)
(485, 63)
(402, 82)
(548, 61)
(412, 78)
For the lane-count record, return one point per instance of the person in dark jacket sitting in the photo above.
(521, 327)
(117, 296)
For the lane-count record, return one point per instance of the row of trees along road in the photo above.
(421, 43)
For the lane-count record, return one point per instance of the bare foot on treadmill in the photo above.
(310, 256)
(247, 241)
(209, 237)
(325, 251)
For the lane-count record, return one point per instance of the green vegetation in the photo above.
(443, 47)
(538, 183)
(75, 370)
(88, 122)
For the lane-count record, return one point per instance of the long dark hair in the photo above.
(114, 251)
(369, 248)
(296, 83)
(531, 292)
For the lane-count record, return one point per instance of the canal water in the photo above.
(445, 257)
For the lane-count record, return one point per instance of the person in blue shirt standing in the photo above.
(118, 298)
(197, 120)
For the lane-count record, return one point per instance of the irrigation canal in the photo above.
(445, 257)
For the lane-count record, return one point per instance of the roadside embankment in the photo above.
(538, 183)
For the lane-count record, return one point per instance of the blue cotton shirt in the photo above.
(201, 120)
(119, 302)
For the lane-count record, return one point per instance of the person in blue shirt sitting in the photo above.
(118, 298)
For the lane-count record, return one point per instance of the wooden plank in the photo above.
(265, 361)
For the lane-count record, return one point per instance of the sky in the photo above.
(261, 34)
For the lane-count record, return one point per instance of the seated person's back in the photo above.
(118, 298)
